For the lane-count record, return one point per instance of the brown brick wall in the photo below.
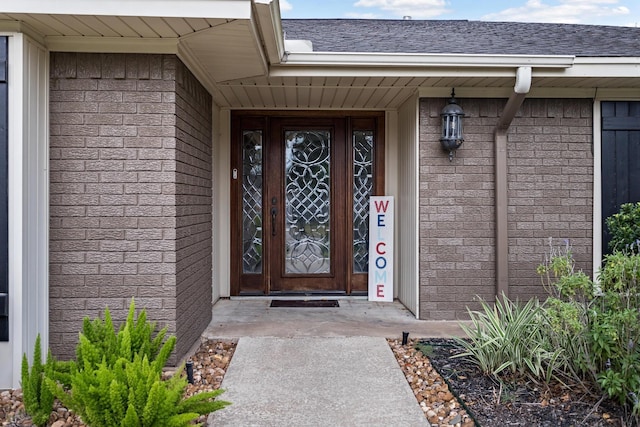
(457, 234)
(550, 187)
(550, 195)
(193, 193)
(113, 190)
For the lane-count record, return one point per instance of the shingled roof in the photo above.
(463, 37)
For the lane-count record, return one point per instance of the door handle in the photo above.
(274, 213)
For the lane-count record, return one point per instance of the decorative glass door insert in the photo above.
(252, 202)
(362, 188)
(307, 171)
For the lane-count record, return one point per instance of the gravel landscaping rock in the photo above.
(439, 405)
(451, 392)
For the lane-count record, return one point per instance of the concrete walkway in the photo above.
(318, 366)
(348, 381)
(232, 319)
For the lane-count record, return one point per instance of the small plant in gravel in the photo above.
(132, 393)
(116, 379)
(99, 341)
(38, 399)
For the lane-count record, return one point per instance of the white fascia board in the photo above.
(400, 60)
(617, 94)
(386, 71)
(229, 9)
(505, 92)
(269, 22)
(596, 67)
(112, 44)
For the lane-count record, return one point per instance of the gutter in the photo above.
(520, 91)
(343, 59)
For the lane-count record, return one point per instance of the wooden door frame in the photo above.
(279, 277)
(258, 284)
(4, 190)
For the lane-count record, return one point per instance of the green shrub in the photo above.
(615, 329)
(132, 393)
(596, 326)
(566, 313)
(38, 399)
(507, 339)
(624, 228)
(99, 340)
(116, 379)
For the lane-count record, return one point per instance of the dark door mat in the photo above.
(295, 303)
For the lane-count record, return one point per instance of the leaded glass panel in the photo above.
(362, 190)
(252, 202)
(307, 202)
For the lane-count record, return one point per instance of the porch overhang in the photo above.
(218, 40)
(237, 49)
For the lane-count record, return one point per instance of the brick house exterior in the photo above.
(125, 173)
(130, 194)
(550, 184)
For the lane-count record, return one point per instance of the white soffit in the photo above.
(227, 52)
(218, 39)
(228, 9)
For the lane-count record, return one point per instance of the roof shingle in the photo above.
(464, 37)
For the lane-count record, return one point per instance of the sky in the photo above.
(600, 12)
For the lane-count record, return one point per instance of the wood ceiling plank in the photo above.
(56, 27)
(279, 96)
(161, 27)
(197, 24)
(229, 97)
(266, 97)
(118, 26)
(315, 97)
(242, 96)
(100, 27)
(180, 26)
(79, 24)
(139, 26)
(291, 99)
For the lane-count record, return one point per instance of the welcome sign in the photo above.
(381, 248)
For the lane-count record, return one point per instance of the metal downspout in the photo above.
(520, 90)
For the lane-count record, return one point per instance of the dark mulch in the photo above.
(491, 403)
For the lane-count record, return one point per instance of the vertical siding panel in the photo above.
(36, 184)
(407, 205)
(28, 208)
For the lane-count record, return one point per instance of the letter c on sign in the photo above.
(378, 250)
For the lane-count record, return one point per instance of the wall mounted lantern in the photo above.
(452, 117)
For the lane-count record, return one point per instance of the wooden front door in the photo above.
(300, 190)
